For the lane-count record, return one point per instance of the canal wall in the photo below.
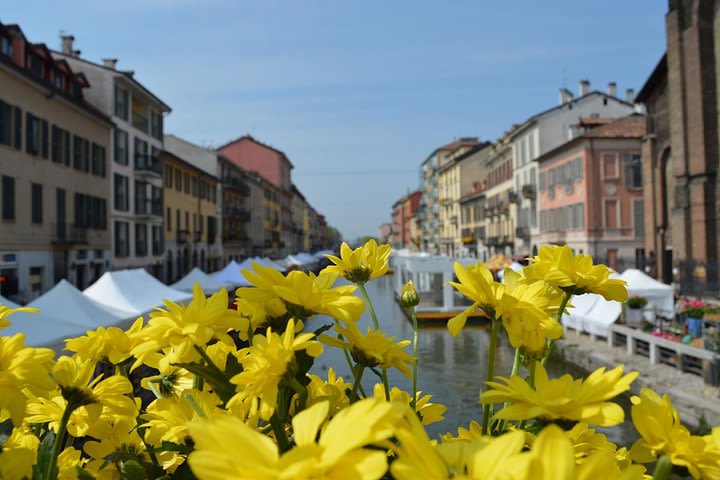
(696, 401)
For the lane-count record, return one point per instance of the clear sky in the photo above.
(357, 94)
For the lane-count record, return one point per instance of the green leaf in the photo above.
(232, 366)
(322, 330)
(83, 474)
(6, 429)
(216, 378)
(172, 447)
(41, 469)
(183, 472)
(132, 470)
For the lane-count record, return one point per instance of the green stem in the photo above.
(663, 468)
(59, 440)
(386, 384)
(515, 370)
(490, 370)
(370, 306)
(356, 383)
(349, 362)
(413, 402)
(282, 439)
(558, 317)
(208, 360)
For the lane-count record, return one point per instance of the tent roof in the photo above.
(232, 274)
(64, 313)
(207, 283)
(640, 282)
(133, 290)
(321, 254)
(272, 263)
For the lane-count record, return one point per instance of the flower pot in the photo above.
(694, 326)
(634, 317)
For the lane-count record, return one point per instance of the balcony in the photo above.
(236, 213)
(148, 209)
(522, 232)
(528, 191)
(236, 184)
(68, 234)
(197, 236)
(147, 166)
(237, 236)
(183, 236)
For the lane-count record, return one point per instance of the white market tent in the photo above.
(272, 263)
(232, 274)
(65, 312)
(592, 314)
(659, 295)
(582, 304)
(208, 284)
(8, 303)
(133, 290)
(307, 258)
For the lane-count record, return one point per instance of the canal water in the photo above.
(452, 369)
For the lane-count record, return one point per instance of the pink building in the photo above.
(403, 212)
(252, 155)
(591, 192)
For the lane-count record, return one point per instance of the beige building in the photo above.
(191, 222)
(136, 172)
(54, 177)
(501, 218)
(473, 172)
(236, 211)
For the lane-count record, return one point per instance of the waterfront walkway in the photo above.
(692, 397)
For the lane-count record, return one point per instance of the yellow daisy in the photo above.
(362, 264)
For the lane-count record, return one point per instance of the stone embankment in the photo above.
(694, 399)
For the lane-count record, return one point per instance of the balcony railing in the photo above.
(183, 236)
(528, 191)
(237, 213)
(146, 164)
(68, 234)
(146, 207)
(237, 184)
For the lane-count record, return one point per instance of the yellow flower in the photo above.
(264, 364)
(428, 412)
(466, 435)
(577, 275)
(171, 380)
(333, 391)
(18, 454)
(167, 419)
(362, 264)
(22, 368)
(124, 441)
(373, 349)
(6, 311)
(476, 283)
(182, 328)
(67, 462)
(112, 344)
(562, 398)
(74, 377)
(50, 410)
(658, 423)
(409, 296)
(338, 454)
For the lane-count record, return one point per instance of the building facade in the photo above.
(404, 213)
(190, 203)
(236, 212)
(136, 213)
(591, 194)
(385, 232)
(473, 172)
(500, 217)
(54, 173)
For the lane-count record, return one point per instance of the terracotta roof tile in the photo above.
(632, 126)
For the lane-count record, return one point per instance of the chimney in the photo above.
(584, 88)
(66, 44)
(565, 96)
(612, 89)
(110, 62)
(630, 95)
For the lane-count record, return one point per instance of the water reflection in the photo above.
(452, 369)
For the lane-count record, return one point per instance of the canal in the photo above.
(452, 369)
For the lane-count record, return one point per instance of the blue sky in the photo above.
(357, 94)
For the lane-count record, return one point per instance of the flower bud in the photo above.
(409, 297)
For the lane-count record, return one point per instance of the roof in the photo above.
(631, 126)
(460, 142)
(595, 121)
(248, 137)
(127, 75)
(187, 164)
(658, 74)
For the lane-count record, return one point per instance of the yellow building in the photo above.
(501, 218)
(271, 218)
(190, 213)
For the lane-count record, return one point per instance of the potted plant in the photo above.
(693, 311)
(634, 312)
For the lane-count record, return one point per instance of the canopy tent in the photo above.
(592, 314)
(659, 295)
(291, 260)
(581, 305)
(65, 313)
(133, 290)
(208, 284)
(8, 303)
(232, 274)
(307, 258)
(267, 262)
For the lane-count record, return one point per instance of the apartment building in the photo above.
(546, 131)
(500, 217)
(236, 212)
(404, 215)
(590, 191)
(297, 232)
(473, 171)
(54, 177)
(190, 204)
(136, 212)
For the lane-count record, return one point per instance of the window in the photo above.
(168, 176)
(609, 163)
(141, 153)
(36, 203)
(141, 198)
(77, 152)
(122, 244)
(6, 46)
(18, 128)
(32, 134)
(194, 187)
(8, 198)
(157, 240)
(5, 123)
(186, 182)
(140, 115)
(122, 102)
(98, 166)
(156, 124)
(58, 80)
(36, 275)
(140, 239)
(212, 229)
(57, 144)
(639, 218)
(178, 179)
(157, 201)
(168, 219)
(44, 139)
(612, 213)
(633, 170)
(37, 66)
(121, 147)
(177, 219)
(121, 193)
